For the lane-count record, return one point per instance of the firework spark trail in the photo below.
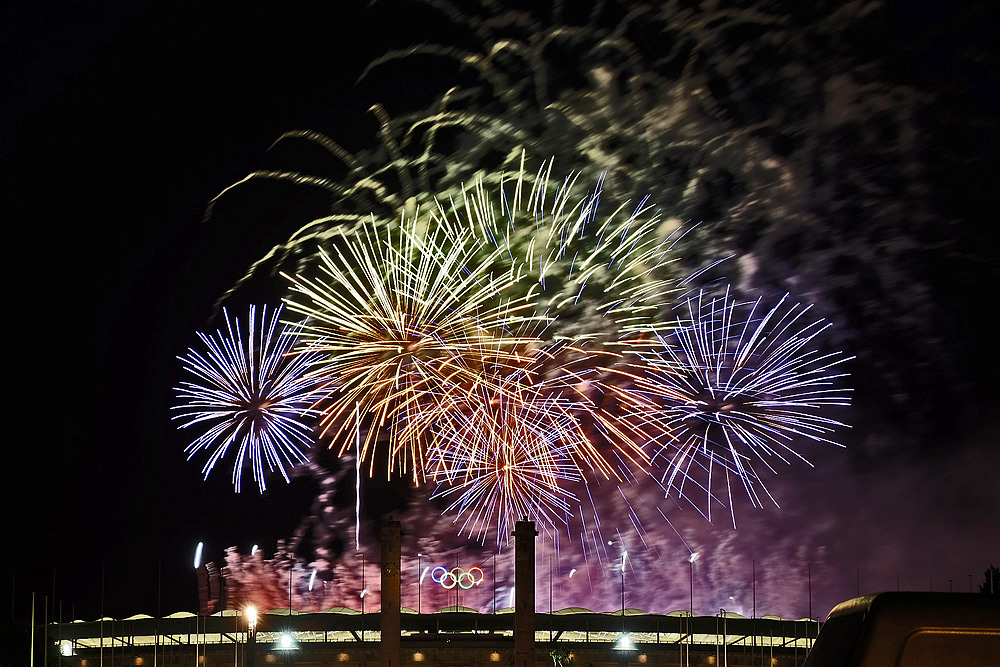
(251, 392)
(562, 250)
(733, 386)
(399, 318)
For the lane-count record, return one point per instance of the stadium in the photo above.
(226, 632)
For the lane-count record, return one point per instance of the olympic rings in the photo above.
(464, 579)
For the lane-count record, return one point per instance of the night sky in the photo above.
(119, 124)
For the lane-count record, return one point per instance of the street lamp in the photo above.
(251, 615)
(691, 559)
(197, 565)
(725, 640)
(624, 642)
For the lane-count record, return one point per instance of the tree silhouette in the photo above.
(991, 583)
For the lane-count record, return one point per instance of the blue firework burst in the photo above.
(735, 388)
(251, 394)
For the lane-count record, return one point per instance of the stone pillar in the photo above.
(389, 649)
(524, 593)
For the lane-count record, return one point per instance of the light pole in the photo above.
(809, 579)
(624, 555)
(753, 578)
(197, 647)
(725, 645)
(624, 642)
(251, 614)
(691, 559)
(420, 580)
(363, 591)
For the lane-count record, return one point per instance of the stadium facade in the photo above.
(451, 637)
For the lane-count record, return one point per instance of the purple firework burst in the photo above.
(735, 387)
(251, 393)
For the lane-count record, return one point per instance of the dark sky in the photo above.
(120, 121)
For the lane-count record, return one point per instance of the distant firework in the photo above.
(249, 393)
(734, 387)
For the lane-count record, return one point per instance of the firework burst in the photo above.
(509, 455)
(399, 317)
(736, 386)
(432, 332)
(599, 274)
(250, 393)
